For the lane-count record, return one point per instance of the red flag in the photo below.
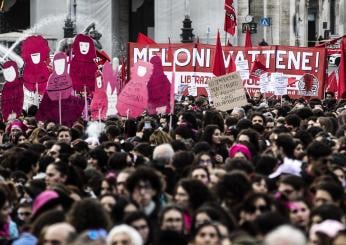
(332, 82)
(257, 69)
(248, 42)
(342, 70)
(231, 66)
(171, 58)
(219, 63)
(230, 18)
(123, 72)
(143, 39)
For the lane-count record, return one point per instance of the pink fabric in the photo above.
(133, 99)
(159, 88)
(99, 103)
(12, 97)
(240, 148)
(18, 124)
(71, 108)
(83, 66)
(43, 199)
(59, 83)
(110, 77)
(35, 73)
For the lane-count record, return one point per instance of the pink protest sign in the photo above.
(110, 79)
(159, 88)
(83, 66)
(35, 53)
(99, 102)
(110, 76)
(133, 99)
(71, 108)
(12, 93)
(59, 82)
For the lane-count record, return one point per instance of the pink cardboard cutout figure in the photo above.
(59, 82)
(12, 92)
(110, 76)
(71, 108)
(159, 89)
(35, 52)
(99, 102)
(83, 67)
(110, 79)
(133, 99)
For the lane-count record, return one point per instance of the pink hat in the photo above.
(240, 148)
(42, 199)
(17, 124)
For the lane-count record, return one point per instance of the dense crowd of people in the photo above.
(271, 172)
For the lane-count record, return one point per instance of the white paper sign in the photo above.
(264, 83)
(281, 85)
(244, 74)
(242, 65)
(112, 101)
(31, 98)
(192, 89)
(272, 80)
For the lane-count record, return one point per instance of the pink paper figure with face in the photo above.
(35, 52)
(59, 82)
(99, 102)
(159, 89)
(133, 99)
(110, 79)
(12, 92)
(83, 67)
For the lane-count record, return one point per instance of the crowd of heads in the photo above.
(270, 172)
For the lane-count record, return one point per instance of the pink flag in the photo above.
(342, 71)
(158, 88)
(35, 53)
(257, 69)
(83, 67)
(99, 102)
(219, 63)
(231, 66)
(12, 93)
(59, 82)
(133, 99)
(143, 39)
(230, 17)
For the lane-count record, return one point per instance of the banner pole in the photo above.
(60, 120)
(86, 104)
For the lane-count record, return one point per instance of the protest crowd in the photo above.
(270, 172)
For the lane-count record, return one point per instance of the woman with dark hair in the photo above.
(171, 218)
(56, 173)
(200, 173)
(212, 135)
(299, 213)
(122, 208)
(119, 161)
(88, 214)
(108, 201)
(8, 229)
(20, 138)
(98, 159)
(141, 223)
(207, 233)
(204, 159)
(212, 212)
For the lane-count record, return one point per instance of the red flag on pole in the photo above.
(248, 42)
(257, 69)
(231, 66)
(219, 63)
(342, 70)
(230, 18)
(143, 39)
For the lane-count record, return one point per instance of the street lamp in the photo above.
(187, 35)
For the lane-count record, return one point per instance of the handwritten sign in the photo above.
(227, 91)
(133, 99)
(281, 85)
